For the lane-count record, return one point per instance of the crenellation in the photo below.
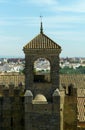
(11, 90)
(6, 91)
(1, 88)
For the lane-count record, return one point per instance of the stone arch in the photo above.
(42, 70)
(48, 57)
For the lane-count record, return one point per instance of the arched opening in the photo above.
(42, 70)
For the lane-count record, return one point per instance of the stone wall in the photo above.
(65, 79)
(70, 111)
(12, 107)
(12, 78)
(42, 116)
(11, 111)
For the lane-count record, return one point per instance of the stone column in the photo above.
(55, 72)
(28, 72)
(28, 97)
(56, 107)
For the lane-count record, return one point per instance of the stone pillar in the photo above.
(55, 71)
(70, 111)
(56, 97)
(6, 92)
(62, 96)
(56, 107)
(1, 88)
(28, 97)
(28, 72)
(16, 92)
(1, 111)
(11, 89)
(6, 109)
(16, 119)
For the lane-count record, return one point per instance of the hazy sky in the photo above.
(63, 22)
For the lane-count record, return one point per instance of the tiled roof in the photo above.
(42, 41)
(81, 92)
(78, 80)
(81, 104)
(81, 108)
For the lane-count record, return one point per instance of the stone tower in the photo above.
(42, 96)
(46, 103)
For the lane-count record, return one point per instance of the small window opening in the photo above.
(42, 70)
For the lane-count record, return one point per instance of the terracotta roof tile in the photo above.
(42, 41)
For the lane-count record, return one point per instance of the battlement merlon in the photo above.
(11, 90)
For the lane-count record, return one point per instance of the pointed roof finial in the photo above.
(41, 27)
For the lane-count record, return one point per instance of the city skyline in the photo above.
(63, 22)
